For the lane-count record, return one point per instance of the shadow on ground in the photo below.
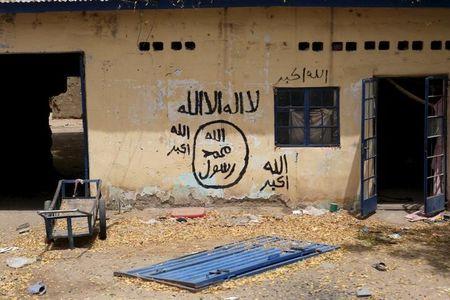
(30, 192)
(429, 243)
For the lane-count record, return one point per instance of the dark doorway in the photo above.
(38, 150)
(400, 131)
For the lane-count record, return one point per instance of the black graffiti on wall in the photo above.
(220, 155)
(183, 131)
(279, 170)
(304, 74)
(184, 149)
(204, 104)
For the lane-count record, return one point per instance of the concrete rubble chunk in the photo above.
(252, 218)
(363, 292)
(243, 220)
(395, 236)
(312, 211)
(19, 262)
(188, 212)
(150, 222)
(365, 230)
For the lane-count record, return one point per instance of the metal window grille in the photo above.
(307, 117)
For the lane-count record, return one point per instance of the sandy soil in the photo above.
(68, 147)
(418, 264)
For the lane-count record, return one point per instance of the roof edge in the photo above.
(89, 5)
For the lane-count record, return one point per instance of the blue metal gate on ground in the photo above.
(200, 270)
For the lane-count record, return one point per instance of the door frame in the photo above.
(84, 112)
(366, 211)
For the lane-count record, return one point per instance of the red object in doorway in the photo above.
(188, 212)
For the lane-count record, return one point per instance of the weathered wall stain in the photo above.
(7, 19)
(36, 23)
(103, 24)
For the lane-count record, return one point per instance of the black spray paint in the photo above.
(220, 155)
(304, 74)
(279, 168)
(204, 105)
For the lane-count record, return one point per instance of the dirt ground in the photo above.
(418, 263)
(68, 147)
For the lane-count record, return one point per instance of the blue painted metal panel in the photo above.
(369, 193)
(369, 206)
(199, 270)
(16, 7)
(434, 205)
(435, 124)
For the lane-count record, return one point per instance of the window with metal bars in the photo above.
(307, 117)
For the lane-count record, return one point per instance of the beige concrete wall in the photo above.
(133, 97)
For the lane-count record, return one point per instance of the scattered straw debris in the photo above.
(125, 231)
(331, 229)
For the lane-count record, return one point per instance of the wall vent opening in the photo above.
(176, 46)
(403, 45)
(303, 46)
(317, 46)
(417, 45)
(350, 46)
(337, 46)
(189, 45)
(383, 45)
(436, 45)
(158, 46)
(144, 46)
(369, 45)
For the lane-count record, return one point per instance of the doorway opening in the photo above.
(400, 132)
(44, 126)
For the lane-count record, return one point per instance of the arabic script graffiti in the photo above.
(182, 131)
(304, 74)
(204, 104)
(220, 154)
(279, 168)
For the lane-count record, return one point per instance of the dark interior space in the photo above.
(400, 129)
(27, 83)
